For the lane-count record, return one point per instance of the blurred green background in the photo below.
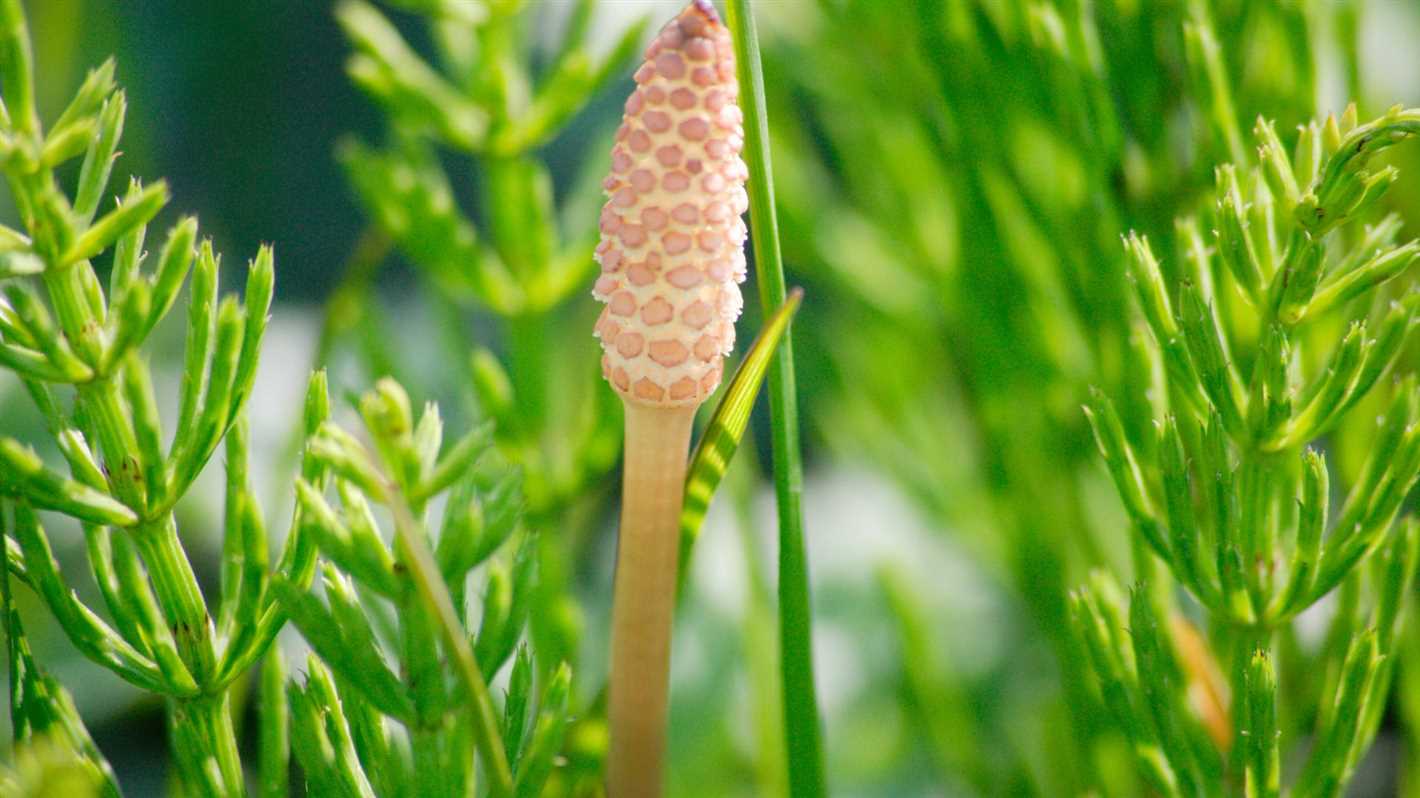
(237, 104)
(953, 179)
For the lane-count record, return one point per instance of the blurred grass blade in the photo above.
(940, 703)
(802, 732)
(727, 425)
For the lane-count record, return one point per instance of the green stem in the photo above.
(178, 594)
(1346, 23)
(801, 721)
(429, 776)
(77, 318)
(100, 399)
(116, 440)
(275, 757)
(17, 81)
(435, 596)
(203, 735)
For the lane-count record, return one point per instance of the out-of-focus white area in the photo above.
(856, 521)
(1390, 61)
(612, 17)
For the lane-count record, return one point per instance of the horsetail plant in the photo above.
(1266, 338)
(672, 253)
(83, 344)
(406, 605)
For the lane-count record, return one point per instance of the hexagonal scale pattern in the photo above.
(672, 240)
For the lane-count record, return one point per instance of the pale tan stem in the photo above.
(657, 440)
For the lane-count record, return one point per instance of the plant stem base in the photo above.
(657, 440)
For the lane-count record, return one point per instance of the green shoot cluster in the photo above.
(1267, 337)
(75, 344)
(362, 728)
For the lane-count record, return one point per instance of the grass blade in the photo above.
(801, 721)
(727, 426)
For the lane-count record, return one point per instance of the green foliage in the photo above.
(802, 728)
(403, 604)
(484, 104)
(73, 344)
(1224, 494)
(952, 195)
(951, 183)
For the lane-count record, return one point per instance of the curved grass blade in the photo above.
(727, 426)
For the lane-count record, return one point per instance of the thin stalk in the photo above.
(414, 551)
(203, 723)
(801, 721)
(17, 83)
(653, 485)
(202, 734)
(274, 760)
(178, 594)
